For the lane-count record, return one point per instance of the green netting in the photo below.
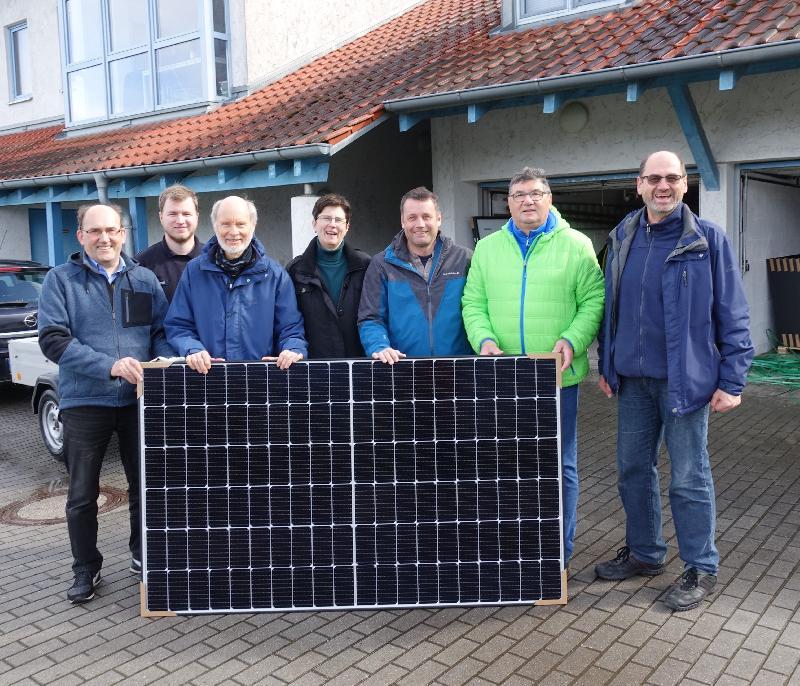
(772, 368)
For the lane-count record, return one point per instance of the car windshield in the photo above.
(20, 286)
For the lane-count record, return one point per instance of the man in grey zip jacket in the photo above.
(100, 315)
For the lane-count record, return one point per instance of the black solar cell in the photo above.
(351, 484)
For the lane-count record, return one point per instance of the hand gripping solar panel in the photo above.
(351, 484)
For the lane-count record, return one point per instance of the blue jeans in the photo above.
(569, 466)
(644, 420)
(87, 432)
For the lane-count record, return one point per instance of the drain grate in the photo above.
(46, 506)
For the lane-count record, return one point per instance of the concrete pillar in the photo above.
(302, 228)
(55, 233)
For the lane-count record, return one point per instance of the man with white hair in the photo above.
(234, 302)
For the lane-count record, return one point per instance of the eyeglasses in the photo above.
(655, 179)
(327, 219)
(96, 233)
(536, 196)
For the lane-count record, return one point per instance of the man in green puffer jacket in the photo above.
(535, 287)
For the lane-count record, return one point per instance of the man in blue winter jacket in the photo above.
(411, 297)
(100, 315)
(234, 302)
(674, 341)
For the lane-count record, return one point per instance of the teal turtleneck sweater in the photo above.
(332, 268)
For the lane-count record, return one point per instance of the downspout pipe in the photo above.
(720, 60)
(102, 188)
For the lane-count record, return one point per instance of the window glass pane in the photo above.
(179, 77)
(219, 16)
(21, 62)
(221, 66)
(87, 94)
(131, 88)
(530, 8)
(176, 16)
(128, 21)
(84, 29)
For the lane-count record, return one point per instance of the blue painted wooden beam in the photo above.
(695, 135)
(277, 169)
(634, 91)
(167, 180)
(476, 111)
(409, 121)
(137, 206)
(55, 233)
(227, 174)
(727, 79)
(130, 183)
(552, 103)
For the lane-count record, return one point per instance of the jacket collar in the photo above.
(208, 263)
(307, 261)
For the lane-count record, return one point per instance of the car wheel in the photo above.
(50, 425)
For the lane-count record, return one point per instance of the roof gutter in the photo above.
(295, 152)
(722, 59)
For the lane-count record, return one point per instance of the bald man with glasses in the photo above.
(675, 342)
(100, 315)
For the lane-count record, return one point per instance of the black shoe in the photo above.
(83, 586)
(689, 590)
(625, 565)
(136, 566)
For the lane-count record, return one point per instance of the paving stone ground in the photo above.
(608, 633)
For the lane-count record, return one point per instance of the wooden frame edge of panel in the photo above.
(144, 612)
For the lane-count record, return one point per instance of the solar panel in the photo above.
(351, 484)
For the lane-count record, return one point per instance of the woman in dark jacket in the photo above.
(327, 279)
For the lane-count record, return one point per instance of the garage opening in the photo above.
(769, 227)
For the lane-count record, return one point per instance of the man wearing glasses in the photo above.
(675, 341)
(100, 315)
(534, 287)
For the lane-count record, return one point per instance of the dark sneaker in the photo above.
(83, 586)
(689, 590)
(136, 566)
(625, 565)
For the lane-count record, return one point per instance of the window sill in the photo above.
(20, 98)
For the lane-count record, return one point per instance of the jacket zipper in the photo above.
(641, 298)
(522, 293)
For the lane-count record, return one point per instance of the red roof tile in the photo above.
(439, 46)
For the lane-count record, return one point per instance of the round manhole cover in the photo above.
(46, 506)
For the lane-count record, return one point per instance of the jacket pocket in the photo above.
(137, 308)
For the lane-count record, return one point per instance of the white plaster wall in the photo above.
(279, 33)
(15, 240)
(48, 96)
(772, 230)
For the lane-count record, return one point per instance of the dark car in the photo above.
(20, 286)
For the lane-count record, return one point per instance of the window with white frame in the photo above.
(535, 10)
(129, 57)
(19, 61)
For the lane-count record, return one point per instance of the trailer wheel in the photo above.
(49, 424)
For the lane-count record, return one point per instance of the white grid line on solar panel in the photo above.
(417, 388)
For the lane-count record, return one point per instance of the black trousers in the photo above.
(87, 432)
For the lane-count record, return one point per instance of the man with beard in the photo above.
(234, 302)
(674, 341)
(178, 213)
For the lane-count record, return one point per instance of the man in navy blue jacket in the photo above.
(674, 342)
(100, 316)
